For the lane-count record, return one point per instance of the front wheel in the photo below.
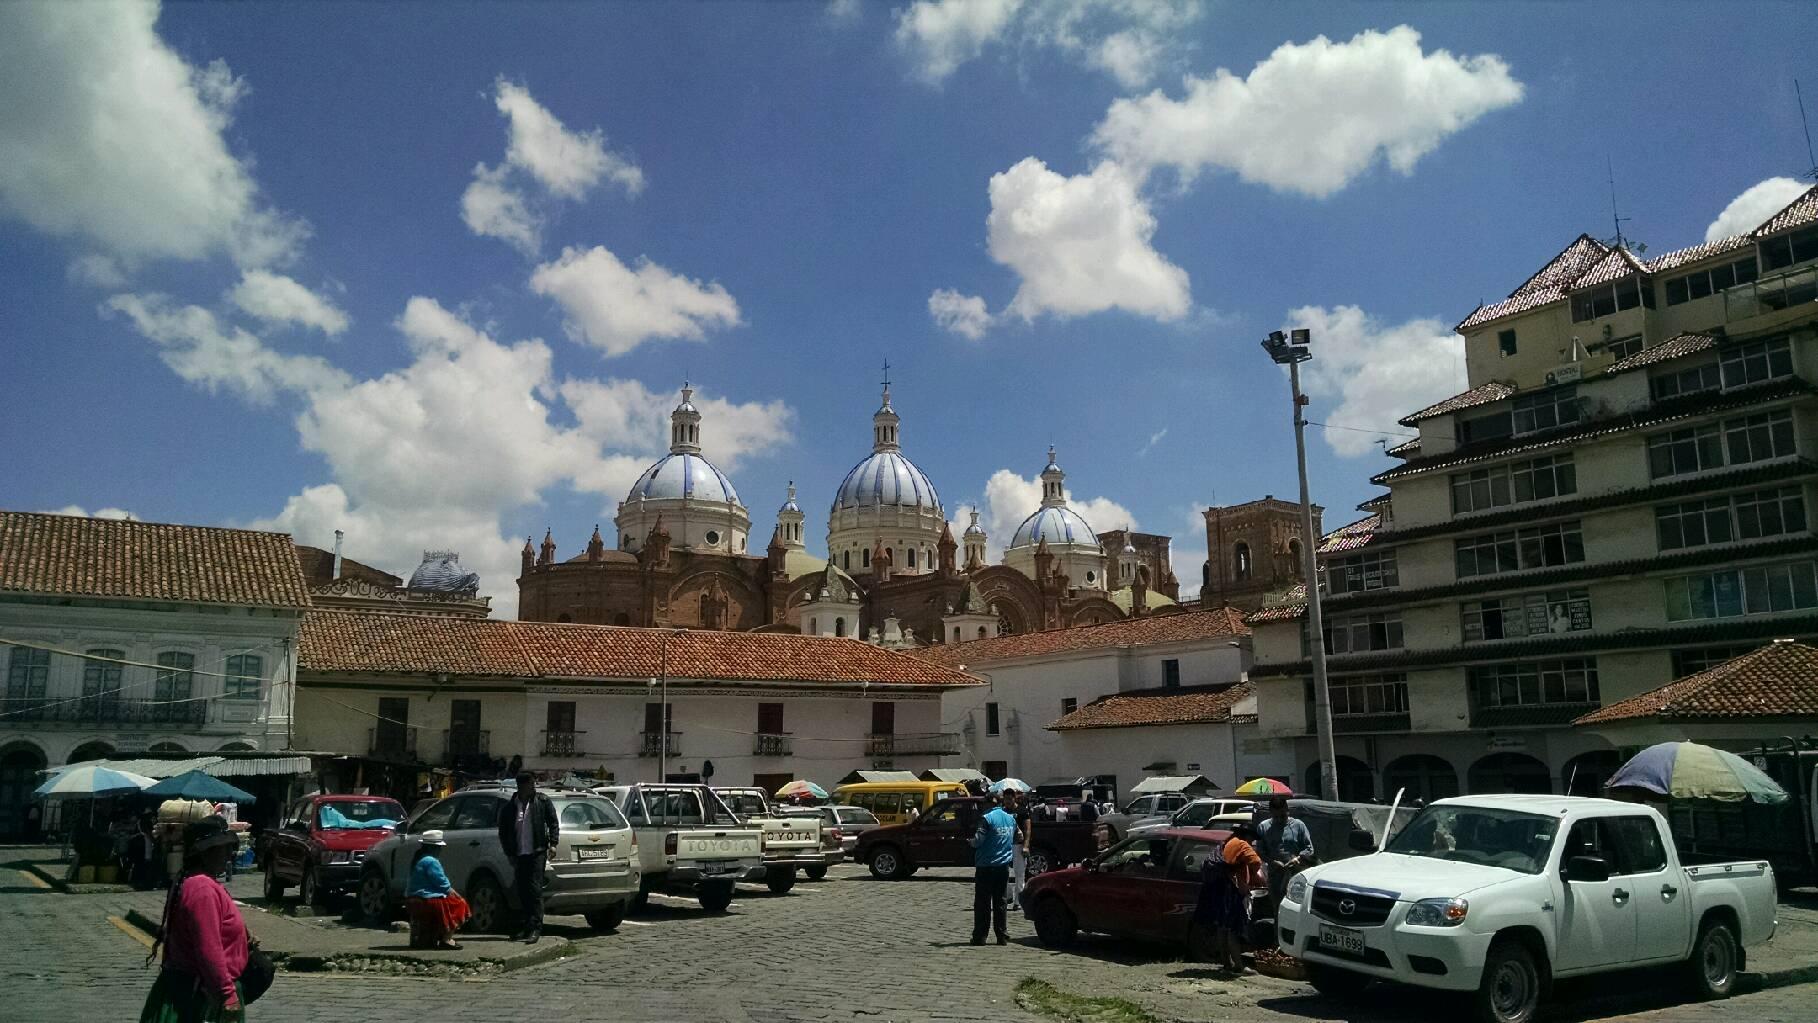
(274, 888)
(1510, 990)
(815, 873)
(715, 898)
(311, 890)
(779, 881)
(887, 864)
(1335, 983)
(1712, 965)
(607, 919)
(1054, 923)
(1038, 862)
(375, 897)
(486, 901)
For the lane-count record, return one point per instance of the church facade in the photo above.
(895, 573)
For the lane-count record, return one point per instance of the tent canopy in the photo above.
(951, 774)
(217, 766)
(1190, 784)
(854, 777)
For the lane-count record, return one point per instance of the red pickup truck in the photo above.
(942, 837)
(322, 842)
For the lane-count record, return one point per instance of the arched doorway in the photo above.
(1586, 773)
(1356, 782)
(96, 750)
(19, 767)
(1425, 776)
(236, 747)
(1510, 772)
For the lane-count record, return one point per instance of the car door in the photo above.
(1662, 915)
(1176, 895)
(289, 844)
(1596, 918)
(943, 835)
(1119, 895)
(404, 853)
(473, 840)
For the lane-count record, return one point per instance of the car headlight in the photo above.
(1297, 890)
(329, 856)
(1438, 912)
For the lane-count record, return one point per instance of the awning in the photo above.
(951, 774)
(1189, 783)
(219, 767)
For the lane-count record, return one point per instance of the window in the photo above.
(1691, 380)
(476, 812)
(1350, 634)
(245, 677)
(1797, 247)
(1535, 683)
(713, 537)
(1693, 523)
(994, 769)
(1546, 409)
(657, 715)
(1604, 299)
(1623, 347)
(912, 558)
(770, 718)
(1759, 437)
(865, 556)
(1171, 672)
(391, 730)
(1531, 480)
(846, 561)
(839, 626)
(1751, 515)
(1505, 342)
(173, 685)
(1360, 572)
(27, 675)
(1693, 449)
(1756, 362)
(991, 722)
(558, 716)
(1638, 846)
(1520, 549)
(1700, 283)
(1241, 556)
(1729, 593)
(1068, 706)
(1529, 614)
(102, 678)
(1369, 695)
(1484, 428)
(1693, 660)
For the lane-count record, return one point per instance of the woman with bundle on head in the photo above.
(204, 940)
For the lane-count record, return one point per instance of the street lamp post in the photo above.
(1290, 351)
(662, 682)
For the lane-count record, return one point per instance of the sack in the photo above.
(260, 971)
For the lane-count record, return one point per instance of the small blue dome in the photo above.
(1057, 525)
(683, 475)
(887, 479)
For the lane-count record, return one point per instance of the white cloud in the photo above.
(626, 415)
(277, 300)
(1371, 374)
(843, 10)
(1154, 439)
(492, 208)
(1080, 244)
(96, 271)
(964, 315)
(113, 139)
(99, 513)
(615, 307)
(1312, 116)
(1754, 206)
(203, 351)
(1129, 39)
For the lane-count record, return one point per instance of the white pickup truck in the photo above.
(790, 843)
(688, 840)
(1496, 896)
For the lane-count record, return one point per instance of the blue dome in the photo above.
(683, 475)
(1057, 525)
(887, 479)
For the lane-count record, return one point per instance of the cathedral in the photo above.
(894, 572)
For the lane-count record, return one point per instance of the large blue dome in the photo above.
(1057, 525)
(887, 479)
(676, 476)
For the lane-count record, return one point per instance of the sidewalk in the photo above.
(1792, 956)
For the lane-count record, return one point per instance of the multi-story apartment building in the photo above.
(1620, 499)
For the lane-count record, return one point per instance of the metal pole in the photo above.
(1316, 635)
(663, 718)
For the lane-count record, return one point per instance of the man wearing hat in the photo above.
(528, 830)
(436, 909)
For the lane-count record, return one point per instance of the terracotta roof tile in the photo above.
(1482, 394)
(1799, 212)
(1614, 266)
(1287, 607)
(319, 568)
(1671, 348)
(1583, 253)
(1777, 681)
(67, 555)
(1350, 537)
(1133, 711)
(1407, 449)
(367, 642)
(1692, 254)
(1172, 628)
(1517, 303)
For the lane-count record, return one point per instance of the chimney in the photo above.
(338, 535)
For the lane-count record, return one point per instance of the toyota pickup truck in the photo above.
(1497, 896)
(688, 840)
(942, 837)
(790, 843)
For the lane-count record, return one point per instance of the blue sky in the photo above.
(432, 273)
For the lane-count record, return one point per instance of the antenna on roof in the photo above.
(1804, 123)
(1614, 217)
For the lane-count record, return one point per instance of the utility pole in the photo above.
(1291, 352)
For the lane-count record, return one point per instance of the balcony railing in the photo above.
(1771, 293)
(774, 744)
(562, 744)
(930, 744)
(103, 711)
(396, 743)
(466, 745)
(654, 744)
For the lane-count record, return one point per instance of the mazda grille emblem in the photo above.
(1347, 906)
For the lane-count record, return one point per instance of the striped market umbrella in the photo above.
(91, 780)
(1690, 770)
(1263, 787)
(800, 787)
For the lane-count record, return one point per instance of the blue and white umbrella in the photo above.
(91, 780)
(1011, 783)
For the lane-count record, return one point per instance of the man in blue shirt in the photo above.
(994, 845)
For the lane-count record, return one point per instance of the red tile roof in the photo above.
(1671, 348)
(1799, 212)
(1165, 708)
(1287, 607)
(1517, 303)
(379, 643)
(1779, 680)
(1612, 267)
(1583, 253)
(1482, 394)
(1692, 254)
(319, 568)
(1145, 631)
(1406, 449)
(1350, 537)
(67, 555)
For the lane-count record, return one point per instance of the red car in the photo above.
(322, 842)
(1144, 887)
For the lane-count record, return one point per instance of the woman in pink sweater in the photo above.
(204, 939)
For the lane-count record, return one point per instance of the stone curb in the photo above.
(311, 963)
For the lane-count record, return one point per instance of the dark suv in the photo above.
(322, 841)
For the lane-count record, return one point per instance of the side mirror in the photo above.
(1587, 869)
(1361, 841)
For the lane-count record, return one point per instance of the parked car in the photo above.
(319, 846)
(594, 871)
(790, 843)
(942, 837)
(689, 840)
(1157, 804)
(1497, 896)
(1196, 814)
(849, 821)
(1145, 887)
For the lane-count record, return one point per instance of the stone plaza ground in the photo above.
(845, 948)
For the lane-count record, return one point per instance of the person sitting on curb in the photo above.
(436, 909)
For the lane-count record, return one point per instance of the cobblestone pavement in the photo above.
(840, 949)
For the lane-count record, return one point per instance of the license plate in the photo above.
(593, 852)
(716, 866)
(1341, 939)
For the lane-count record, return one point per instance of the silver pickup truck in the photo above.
(688, 840)
(790, 843)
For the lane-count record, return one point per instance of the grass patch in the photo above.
(1044, 999)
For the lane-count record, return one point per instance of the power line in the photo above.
(1361, 429)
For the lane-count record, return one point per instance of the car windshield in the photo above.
(747, 804)
(856, 816)
(590, 815)
(1482, 835)
(1196, 815)
(365, 813)
(1136, 855)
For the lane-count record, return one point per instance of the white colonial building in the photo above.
(123, 637)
